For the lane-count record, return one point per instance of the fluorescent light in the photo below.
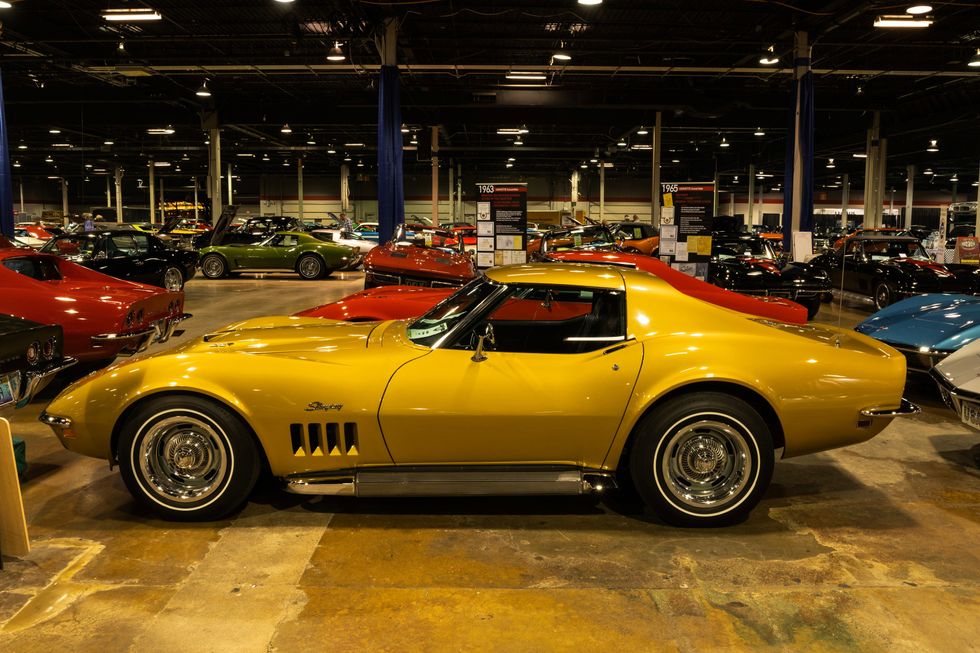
(108, 142)
(902, 20)
(511, 159)
(675, 160)
(593, 160)
(769, 56)
(759, 132)
(527, 77)
(723, 143)
(286, 129)
(5, 5)
(518, 142)
(245, 154)
(285, 2)
(830, 163)
(331, 151)
(130, 15)
(160, 131)
(860, 155)
(404, 128)
(360, 164)
(22, 146)
(16, 163)
(61, 145)
(353, 144)
(642, 131)
(49, 160)
(161, 164)
(509, 165)
(54, 131)
(640, 146)
(508, 131)
(975, 60)
(583, 165)
(621, 143)
(590, 2)
(916, 10)
(561, 55)
(928, 171)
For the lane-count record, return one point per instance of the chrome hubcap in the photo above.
(183, 459)
(213, 267)
(310, 267)
(706, 463)
(172, 279)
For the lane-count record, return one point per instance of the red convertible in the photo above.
(401, 302)
(102, 317)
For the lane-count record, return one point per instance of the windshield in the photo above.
(751, 247)
(431, 327)
(80, 245)
(889, 249)
(590, 237)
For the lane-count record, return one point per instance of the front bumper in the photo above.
(904, 409)
(952, 396)
(919, 359)
(133, 343)
(374, 279)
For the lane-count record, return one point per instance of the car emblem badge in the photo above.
(317, 405)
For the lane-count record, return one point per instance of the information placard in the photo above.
(685, 237)
(501, 224)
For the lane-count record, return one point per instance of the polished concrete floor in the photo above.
(870, 548)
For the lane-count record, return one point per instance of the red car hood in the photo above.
(413, 260)
(384, 303)
(938, 268)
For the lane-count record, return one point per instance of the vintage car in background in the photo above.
(367, 230)
(30, 356)
(404, 261)
(102, 317)
(587, 388)
(300, 252)
(36, 231)
(246, 232)
(127, 254)
(884, 269)
(638, 237)
(25, 238)
(870, 231)
(749, 265)
(400, 302)
(926, 328)
(348, 239)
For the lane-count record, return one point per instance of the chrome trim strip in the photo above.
(36, 380)
(322, 486)
(905, 408)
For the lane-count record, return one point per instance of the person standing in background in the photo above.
(88, 224)
(346, 226)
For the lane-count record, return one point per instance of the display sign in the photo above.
(686, 219)
(501, 224)
(968, 250)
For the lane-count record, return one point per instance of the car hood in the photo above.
(942, 322)
(917, 265)
(960, 368)
(308, 338)
(421, 261)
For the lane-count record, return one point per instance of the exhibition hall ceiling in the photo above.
(595, 76)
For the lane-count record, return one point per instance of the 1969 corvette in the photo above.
(552, 379)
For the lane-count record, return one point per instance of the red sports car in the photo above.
(401, 302)
(403, 262)
(36, 231)
(102, 317)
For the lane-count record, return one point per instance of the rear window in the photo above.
(35, 267)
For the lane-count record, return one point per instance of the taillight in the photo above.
(33, 352)
(129, 319)
(49, 347)
(139, 316)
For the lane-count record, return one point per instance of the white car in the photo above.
(361, 244)
(24, 238)
(958, 377)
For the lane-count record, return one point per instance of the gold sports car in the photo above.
(534, 379)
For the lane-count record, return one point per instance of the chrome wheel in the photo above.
(213, 267)
(309, 267)
(173, 280)
(883, 296)
(183, 459)
(706, 463)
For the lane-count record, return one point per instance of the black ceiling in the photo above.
(66, 68)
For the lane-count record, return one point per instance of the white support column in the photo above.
(801, 53)
(714, 194)
(452, 191)
(602, 190)
(22, 195)
(119, 197)
(299, 187)
(161, 201)
(845, 198)
(655, 177)
(108, 192)
(153, 193)
(909, 189)
(880, 167)
(64, 199)
(731, 205)
(345, 188)
(214, 173)
(196, 217)
(575, 178)
(231, 194)
(435, 176)
(751, 198)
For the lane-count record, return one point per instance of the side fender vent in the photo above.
(330, 439)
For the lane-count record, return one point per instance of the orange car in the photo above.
(639, 238)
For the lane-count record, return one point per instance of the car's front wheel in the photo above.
(702, 460)
(310, 266)
(187, 458)
(213, 266)
(812, 307)
(173, 279)
(883, 295)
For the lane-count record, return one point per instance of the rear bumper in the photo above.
(904, 409)
(128, 344)
(375, 278)
(34, 381)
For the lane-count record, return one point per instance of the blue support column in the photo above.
(6, 192)
(391, 192)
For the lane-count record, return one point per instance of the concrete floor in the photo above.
(870, 548)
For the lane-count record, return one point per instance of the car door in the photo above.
(552, 388)
(266, 255)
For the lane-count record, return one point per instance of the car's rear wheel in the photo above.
(883, 295)
(213, 266)
(173, 279)
(310, 266)
(812, 307)
(702, 460)
(187, 458)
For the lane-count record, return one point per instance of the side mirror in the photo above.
(484, 334)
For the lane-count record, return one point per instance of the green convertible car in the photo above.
(310, 257)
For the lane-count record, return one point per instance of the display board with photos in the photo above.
(501, 224)
(685, 230)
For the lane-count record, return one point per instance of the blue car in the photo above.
(926, 328)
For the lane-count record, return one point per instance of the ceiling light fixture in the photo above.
(353, 144)
(903, 20)
(675, 160)
(160, 131)
(593, 160)
(723, 143)
(583, 165)
(336, 54)
(22, 146)
(527, 77)
(404, 128)
(108, 142)
(860, 155)
(61, 145)
(286, 129)
(518, 141)
(203, 91)
(917, 10)
(974, 62)
(928, 171)
(265, 157)
(360, 164)
(54, 131)
(121, 47)
(509, 165)
(130, 15)
(622, 143)
(759, 132)
(347, 157)
(331, 151)
(769, 56)
(5, 5)
(285, 2)
(933, 145)
(590, 3)
(511, 159)
(642, 131)
(561, 54)
(16, 164)
(49, 160)
(955, 177)
(161, 164)
(830, 164)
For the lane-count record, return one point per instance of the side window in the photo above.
(276, 241)
(142, 243)
(122, 245)
(289, 241)
(554, 320)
